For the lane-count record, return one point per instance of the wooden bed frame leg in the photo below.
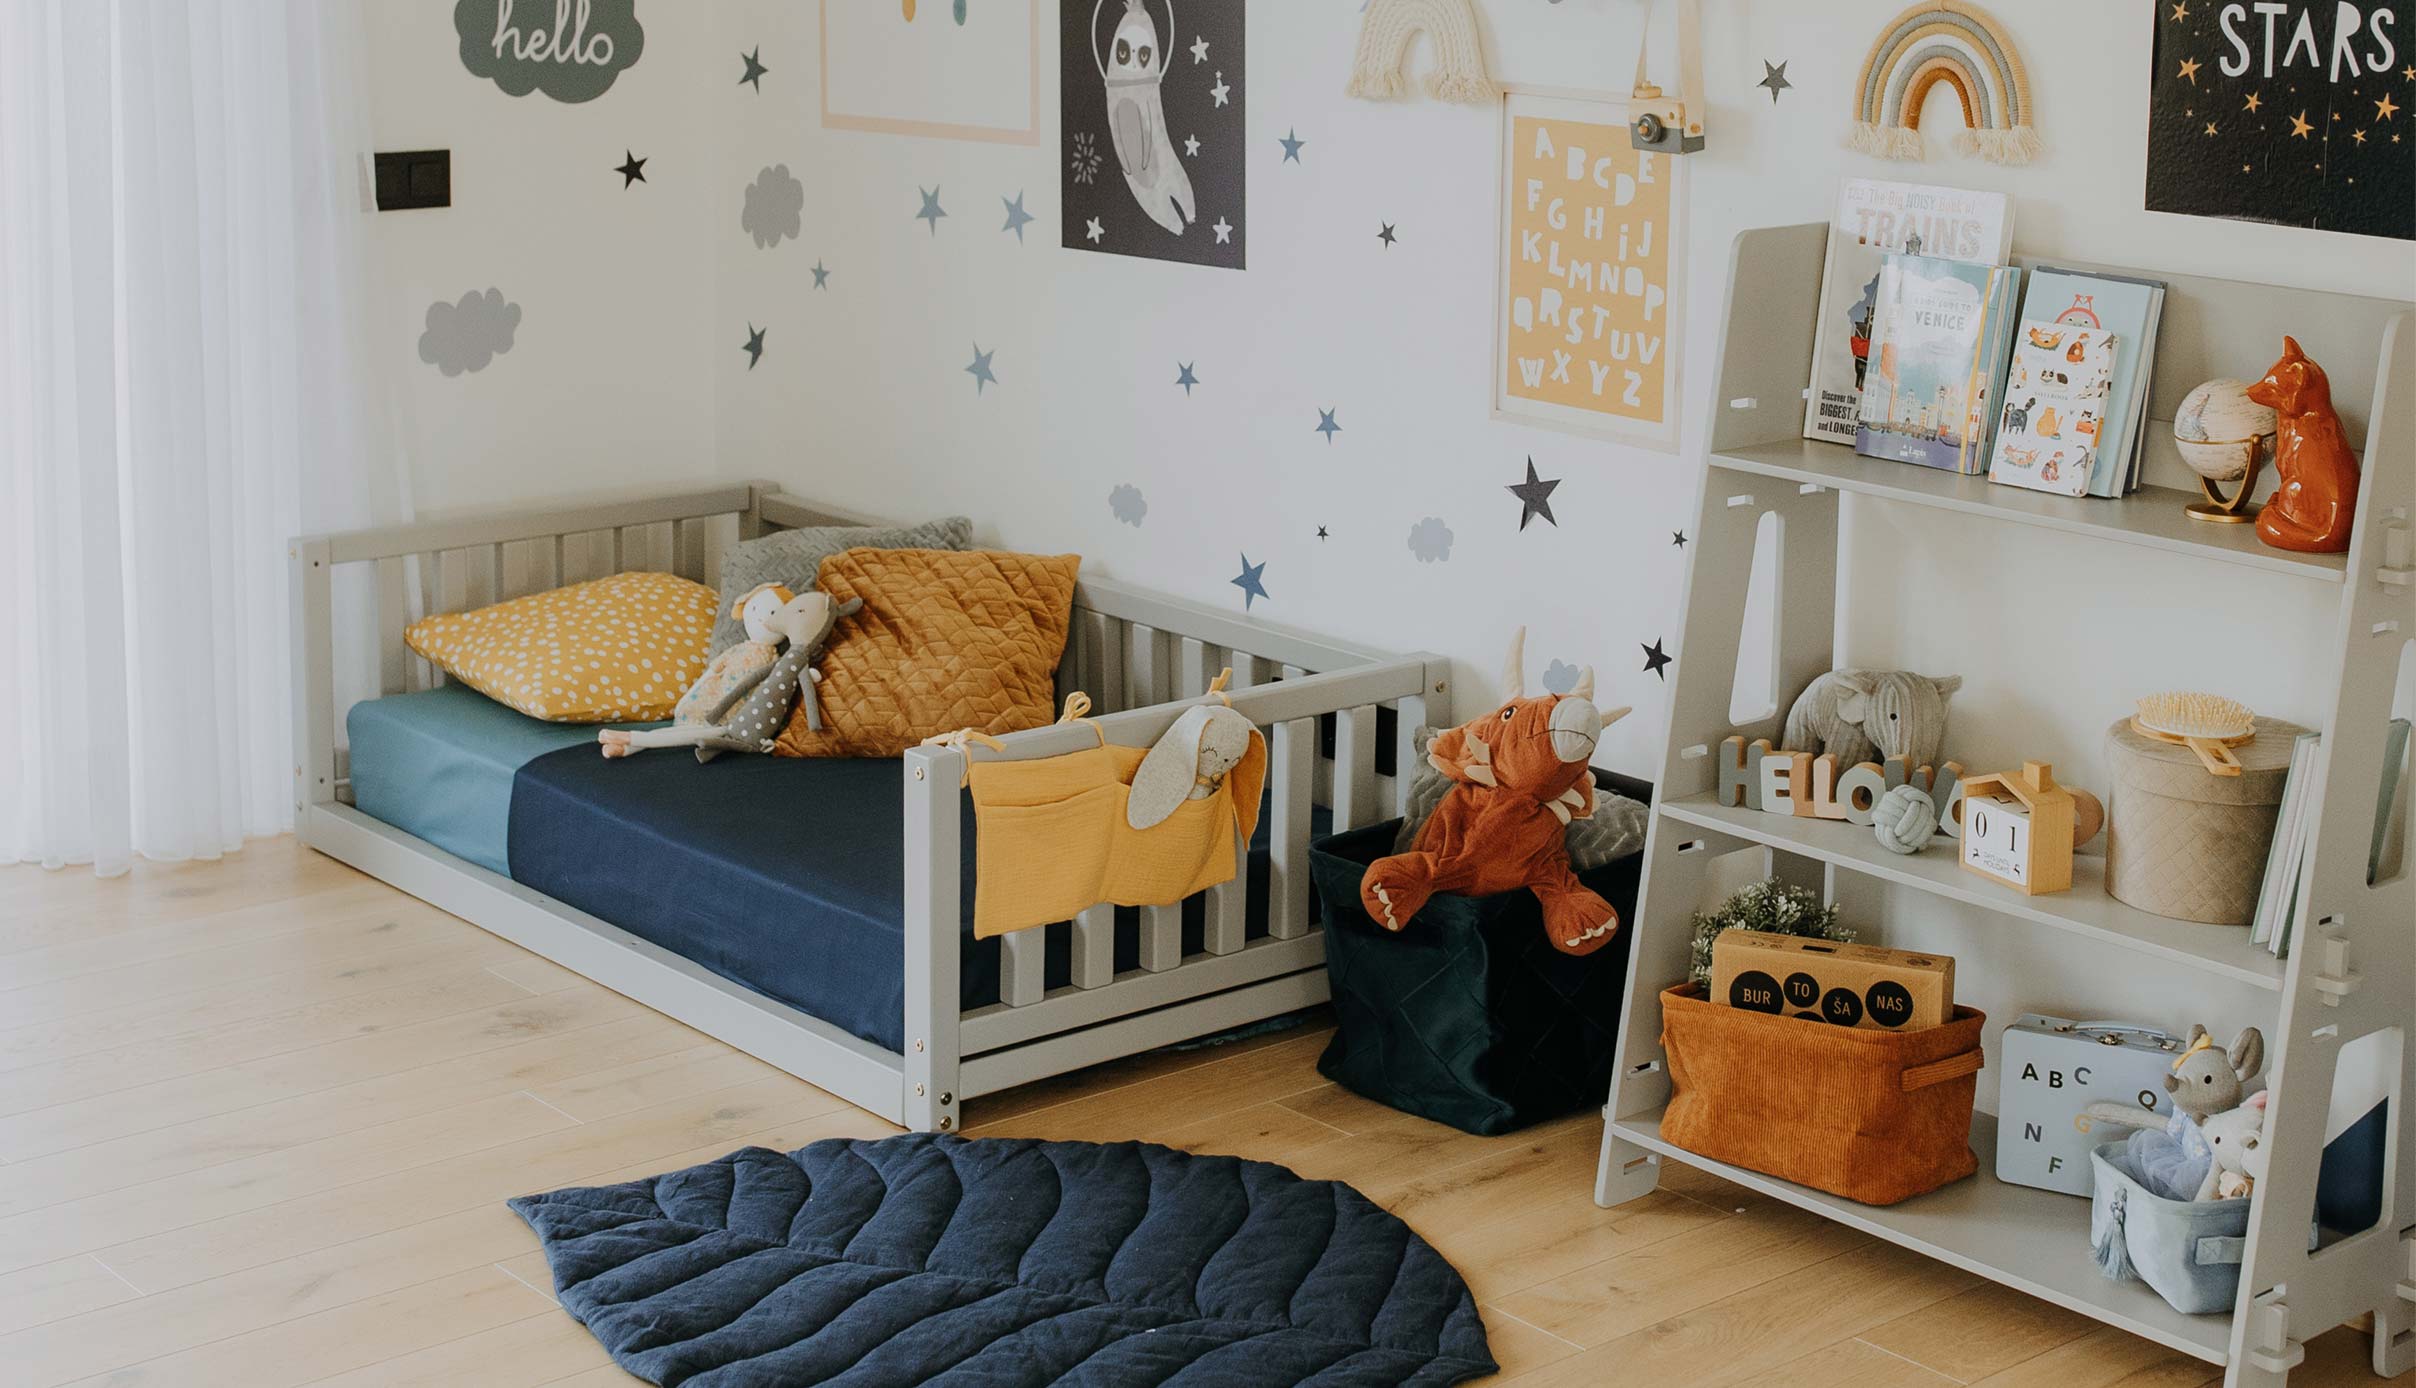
(929, 1100)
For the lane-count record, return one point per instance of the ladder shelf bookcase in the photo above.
(2352, 970)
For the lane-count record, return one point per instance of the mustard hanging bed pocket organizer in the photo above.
(1057, 835)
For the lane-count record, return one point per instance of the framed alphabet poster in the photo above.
(1586, 315)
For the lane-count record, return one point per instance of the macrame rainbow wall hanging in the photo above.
(1963, 46)
(1390, 27)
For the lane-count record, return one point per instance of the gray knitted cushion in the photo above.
(794, 558)
(1616, 829)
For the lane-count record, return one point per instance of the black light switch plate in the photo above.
(414, 178)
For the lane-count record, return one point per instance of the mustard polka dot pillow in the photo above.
(616, 650)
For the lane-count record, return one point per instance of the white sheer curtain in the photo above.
(182, 388)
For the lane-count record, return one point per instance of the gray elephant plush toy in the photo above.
(1869, 715)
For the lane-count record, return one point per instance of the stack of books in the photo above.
(1937, 353)
(2075, 401)
(1927, 349)
(2276, 920)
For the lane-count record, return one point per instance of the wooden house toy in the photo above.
(2017, 829)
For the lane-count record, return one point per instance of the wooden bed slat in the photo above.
(1355, 767)
(1191, 668)
(1095, 947)
(1161, 937)
(1022, 967)
(1295, 761)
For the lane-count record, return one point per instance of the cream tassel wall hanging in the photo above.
(1963, 46)
(1391, 27)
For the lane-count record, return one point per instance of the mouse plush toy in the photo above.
(743, 699)
(1519, 776)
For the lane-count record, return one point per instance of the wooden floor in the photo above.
(258, 1119)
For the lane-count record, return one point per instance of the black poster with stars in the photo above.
(1153, 129)
(2292, 112)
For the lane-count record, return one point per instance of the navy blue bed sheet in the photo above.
(786, 876)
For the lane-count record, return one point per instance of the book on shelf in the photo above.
(1875, 217)
(2286, 863)
(2055, 407)
(2130, 310)
(1937, 355)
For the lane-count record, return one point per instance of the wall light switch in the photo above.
(414, 178)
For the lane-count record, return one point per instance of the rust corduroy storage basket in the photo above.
(1874, 1116)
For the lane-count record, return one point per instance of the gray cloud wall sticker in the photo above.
(775, 207)
(467, 335)
(571, 50)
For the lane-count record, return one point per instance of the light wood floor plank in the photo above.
(271, 1180)
(106, 1028)
(525, 1353)
(346, 1338)
(215, 1248)
(149, 1061)
(55, 1291)
(291, 1074)
(1985, 1330)
(592, 1055)
(293, 1131)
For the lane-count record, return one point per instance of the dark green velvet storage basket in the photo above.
(1468, 1016)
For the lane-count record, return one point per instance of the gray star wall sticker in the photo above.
(754, 347)
(1775, 78)
(755, 69)
(1534, 497)
(1017, 218)
(980, 369)
(932, 211)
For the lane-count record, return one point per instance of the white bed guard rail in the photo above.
(1142, 658)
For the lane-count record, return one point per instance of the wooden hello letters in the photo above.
(1759, 777)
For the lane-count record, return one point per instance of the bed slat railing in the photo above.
(1094, 946)
(1291, 770)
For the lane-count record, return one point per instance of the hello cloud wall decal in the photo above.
(467, 335)
(571, 50)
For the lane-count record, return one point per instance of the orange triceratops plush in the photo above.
(1519, 774)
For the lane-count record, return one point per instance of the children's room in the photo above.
(1213, 692)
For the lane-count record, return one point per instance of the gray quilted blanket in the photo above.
(1004, 1263)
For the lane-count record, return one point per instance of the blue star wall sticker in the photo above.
(1016, 217)
(1326, 424)
(1188, 378)
(1291, 143)
(980, 369)
(821, 276)
(1249, 582)
(932, 211)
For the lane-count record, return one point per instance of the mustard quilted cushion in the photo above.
(615, 650)
(947, 639)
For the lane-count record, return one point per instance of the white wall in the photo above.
(607, 383)
(629, 368)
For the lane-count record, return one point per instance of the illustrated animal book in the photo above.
(2056, 411)
(2130, 310)
(1875, 217)
(1937, 357)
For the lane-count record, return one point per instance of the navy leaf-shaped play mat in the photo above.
(1003, 1262)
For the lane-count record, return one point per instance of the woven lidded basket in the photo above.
(2183, 843)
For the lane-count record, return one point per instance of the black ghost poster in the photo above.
(2289, 111)
(1153, 97)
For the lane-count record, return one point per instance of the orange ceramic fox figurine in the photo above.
(1519, 773)
(2315, 504)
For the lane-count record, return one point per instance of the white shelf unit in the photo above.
(2353, 970)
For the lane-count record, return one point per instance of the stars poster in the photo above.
(1154, 134)
(2293, 112)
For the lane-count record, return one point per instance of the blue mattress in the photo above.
(786, 876)
(440, 763)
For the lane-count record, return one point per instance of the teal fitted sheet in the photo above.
(439, 764)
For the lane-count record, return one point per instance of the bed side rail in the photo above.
(1415, 688)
